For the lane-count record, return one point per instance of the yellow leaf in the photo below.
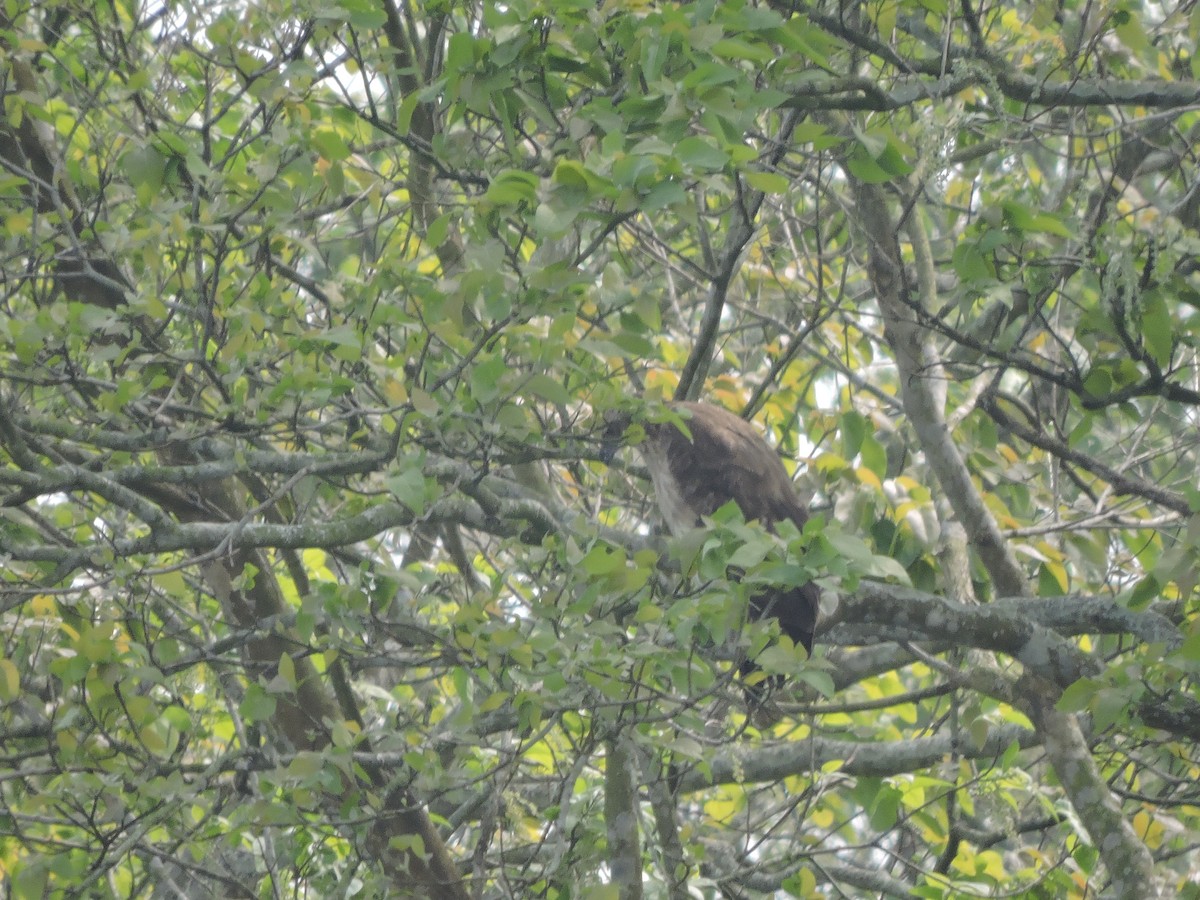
(1150, 831)
(727, 804)
(43, 606)
(315, 562)
(395, 391)
(866, 476)
(820, 818)
(495, 701)
(10, 680)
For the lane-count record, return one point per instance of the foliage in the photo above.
(314, 584)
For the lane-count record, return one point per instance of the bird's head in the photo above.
(614, 423)
(632, 423)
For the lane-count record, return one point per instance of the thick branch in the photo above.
(1034, 631)
(512, 519)
(621, 818)
(921, 617)
(1128, 861)
(855, 93)
(872, 760)
(912, 347)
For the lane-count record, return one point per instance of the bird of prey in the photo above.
(719, 458)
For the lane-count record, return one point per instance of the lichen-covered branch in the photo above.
(918, 370)
(1127, 860)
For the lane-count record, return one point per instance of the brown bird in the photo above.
(724, 458)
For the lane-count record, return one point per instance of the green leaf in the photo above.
(801, 884)
(410, 487)
(735, 48)
(1099, 382)
(818, 679)
(144, 166)
(1009, 757)
(30, 878)
(287, 670)
(1157, 330)
(601, 892)
(1028, 221)
(1078, 695)
(979, 728)
(438, 229)
(860, 558)
(697, 153)
(363, 14)
(664, 195)
(768, 182)
(485, 378)
(408, 843)
(970, 264)
(750, 552)
(1052, 580)
(800, 35)
(553, 219)
(892, 160)
(853, 430)
(70, 670)
(511, 187)
(815, 134)
(572, 173)
(177, 717)
(257, 705)
(886, 808)
(865, 168)
(874, 456)
(709, 75)
(305, 764)
(1131, 33)
(635, 345)
(405, 112)
(1108, 706)
(330, 144)
(603, 559)
(542, 385)
(1085, 855)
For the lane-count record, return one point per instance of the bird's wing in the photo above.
(726, 459)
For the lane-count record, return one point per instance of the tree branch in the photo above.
(1120, 482)
(918, 371)
(1127, 860)
(860, 759)
(621, 818)
(695, 370)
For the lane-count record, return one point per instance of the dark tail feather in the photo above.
(796, 610)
